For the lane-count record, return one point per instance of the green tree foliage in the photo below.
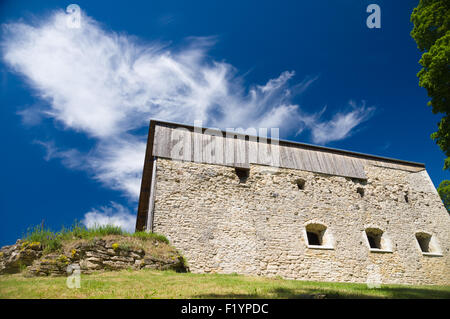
(431, 32)
(444, 192)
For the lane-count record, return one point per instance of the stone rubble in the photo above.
(94, 255)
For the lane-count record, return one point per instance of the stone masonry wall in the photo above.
(258, 227)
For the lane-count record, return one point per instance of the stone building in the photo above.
(237, 203)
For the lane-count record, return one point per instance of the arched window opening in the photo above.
(318, 236)
(424, 241)
(374, 236)
(428, 244)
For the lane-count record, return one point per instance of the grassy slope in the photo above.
(168, 284)
(54, 241)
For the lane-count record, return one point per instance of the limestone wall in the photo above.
(258, 227)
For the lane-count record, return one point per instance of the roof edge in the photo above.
(299, 144)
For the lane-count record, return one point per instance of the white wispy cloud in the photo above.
(341, 125)
(115, 214)
(71, 158)
(31, 116)
(107, 85)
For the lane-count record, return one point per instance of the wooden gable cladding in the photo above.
(211, 146)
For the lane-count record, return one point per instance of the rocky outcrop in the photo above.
(16, 257)
(89, 255)
(49, 265)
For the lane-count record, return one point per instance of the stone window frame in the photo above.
(434, 248)
(326, 235)
(385, 241)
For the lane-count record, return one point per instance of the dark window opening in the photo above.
(360, 191)
(313, 238)
(315, 234)
(374, 238)
(424, 242)
(372, 241)
(242, 174)
(300, 183)
(406, 197)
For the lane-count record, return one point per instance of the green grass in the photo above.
(148, 236)
(168, 284)
(53, 241)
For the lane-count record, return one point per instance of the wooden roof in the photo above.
(212, 146)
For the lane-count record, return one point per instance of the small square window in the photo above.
(300, 183)
(242, 174)
(360, 191)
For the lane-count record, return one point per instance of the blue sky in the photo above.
(75, 103)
